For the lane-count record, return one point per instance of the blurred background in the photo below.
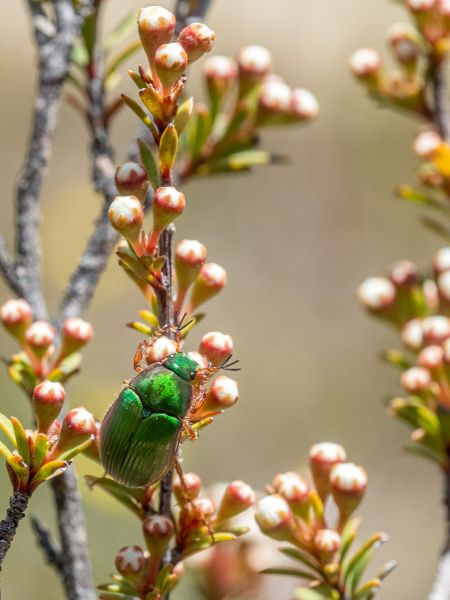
(296, 240)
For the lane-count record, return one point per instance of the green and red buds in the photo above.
(216, 346)
(254, 63)
(274, 517)
(210, 281)
(190, 256)
(170, 63)
(48, 399)
(40, 337)
(237, 498)
(16, 316)
(189, 488)
(377, 294)
(77, 428)
(327, 542)
(158, 531)
(415, 380)
(76, 333)
(156, 26)
(168, 204)
(295, 490)
(365, 64)
(348, 485)
(196, 39)
(130, 560)
(132, 180)
(222, 394)
(220, 74)
(304, 105)
(322, 458)
(275, 101)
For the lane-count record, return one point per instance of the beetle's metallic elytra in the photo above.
(141, 430)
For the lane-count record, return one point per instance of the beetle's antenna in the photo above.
(182, 325)
(228, 366)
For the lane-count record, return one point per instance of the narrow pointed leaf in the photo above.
(148, 160)
(48, 471)
(70, 454)
(289, 572)
(40, 450)
(168, 146)
(21, 440)
(302, 557)
(7, 428)
(121, 31)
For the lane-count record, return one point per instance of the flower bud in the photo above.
(127, 217)
(412, 334)
(93, 450)
(211, 279)
(197, 513)
(274, 101)
(376, 294)
(430, 295)
(196, 39)
(403, 273)
(132, 180)
(446, 350)
(40, 336)
(168, 204)
(158, 531)
(189, 488)
(220, 73)
(436, 329)
(76, 333)
(254, 62)
(405, 43)
(170, 62)
(216, 346)
(327, 542)
(418, 6)
(441, 260)
(16, 316)
(322, 458)
(238, 496)
(199, 359)
(295, 490)
(222, 394)
(190, 256)
(160, 349)
(426, 143)
(77, 427)
(274, 517)
(431, 358)
(443, 284)
(365, 63)
(130, 560)
(156, 26)
(415, 379)
(48, 399)
(348, 485)
(304, 105)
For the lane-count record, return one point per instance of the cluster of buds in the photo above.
(294, 512)
(416, 49)
(420, 308)
(197, 523)
(47, 451)
(38, 358)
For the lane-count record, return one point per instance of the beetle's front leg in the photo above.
(139, 355)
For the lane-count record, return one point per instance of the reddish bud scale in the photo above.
(238, 496)
(16, 316)
(156, 26)
(130, 560)
(222, 394)
(216, 347)
(275, 518)
(48, 399)
(126, 215)
(327, 542)
(211, 279)
(189, 488)
(76, 333)
(170, 63)
(77, 427)
(168, 204)
(131, 180)
(348, 485)
(196, 39)
(40, 337)
(322, 458)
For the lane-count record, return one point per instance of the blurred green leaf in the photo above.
(302, 557)
(348, 536)
(121, 57)
(128, 497)
(289, 572)
(149, 162)
(121, 31)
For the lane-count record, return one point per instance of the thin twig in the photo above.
(16, 511)
(47, 544)
(440, 98)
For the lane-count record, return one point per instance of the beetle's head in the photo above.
(182, 365)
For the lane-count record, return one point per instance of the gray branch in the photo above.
(16, 511)
(440, 98)
(46, 543)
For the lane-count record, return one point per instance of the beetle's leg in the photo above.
(139, 355)
(192, 436)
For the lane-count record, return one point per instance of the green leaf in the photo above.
(48, 471)
(140, 327)
(168, 146)
(408, 193)
(289, 572)
(368, 590)
(80, 57)
(7, 427)
(152, 102)
(301, 556)
(240, 161)
(199, 133)
(207, 542)
(354, 570)
(307, 594)
(21, 440)
(67, 367)
(89, 32)
(149, 317)
(122, 56)
(121, 31)
(128, 497)
(138, 111)
(5, 452)
(40, 450)
(436, 227)
(348, 536)
(69, 454)
(148, 160)
(183, 115)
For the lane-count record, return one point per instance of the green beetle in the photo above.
(141, 431)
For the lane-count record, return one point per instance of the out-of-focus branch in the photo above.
(440, 112)
(47, 544)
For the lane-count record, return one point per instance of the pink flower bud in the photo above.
(404, 42)
(415, 379)
(40, 336)
(426, 143)
(132, 180)
(77, 427)
(189, 489)
(322, 458)
(403, 273)
(376, 294)
(160, 349)
(211, 279)
(304, 105)
(199, 359)
(294, 489)
(238, 496)
(196, 39)
(254, 62)
(170, 62)
(327, 541)
(16, 316)
(275, 98)
(446, 350)
(127, 216)
(365, 63)
(216, 347)
(156, 26)
(431, 358)
(348, 485)
(412, 334)
(417, 6)
(48, 400)
(93, 450)
(443, 7)
(190, 256)
(274, 517)
(441, 260)
(158, 531)
(436, 329)
(220, 73)
(443, 284)
(130, 560)
(168, 204)
(222, 394)
(430, 294)
(197, 513)
(76, 333)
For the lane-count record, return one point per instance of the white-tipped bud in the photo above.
(404, 42)
(130, 560)
(441, 261)
(220, 67)
(16, 315)
(275, 97)
(304, 105)
(415, 379)
(156, 26)
(199, 359)
(196, 39)
(238, 496)
(222, 394)
(327, 541)
(40, 336)
(132, 180)
(126, 215)
(160, 349)
(210, 281)
(443, 284)
(436, 329)
(292, 487)
(431, 357)
(216, 347)
(365, 63)
(348, 477)
(403, 273)
(254, 62)
(446, 350)
(412, 334)
(376, 293)
(421, 5)
(322, 458)
(170, 61)
(426, 143)
(189, 488)
(274, 517)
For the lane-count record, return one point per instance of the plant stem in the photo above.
(16, 511)
(440, 100)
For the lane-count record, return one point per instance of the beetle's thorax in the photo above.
(183, 365)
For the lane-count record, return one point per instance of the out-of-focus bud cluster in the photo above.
(46, 452)
(39, 358)
(294, 512)
(198, 522)
(420, 308)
